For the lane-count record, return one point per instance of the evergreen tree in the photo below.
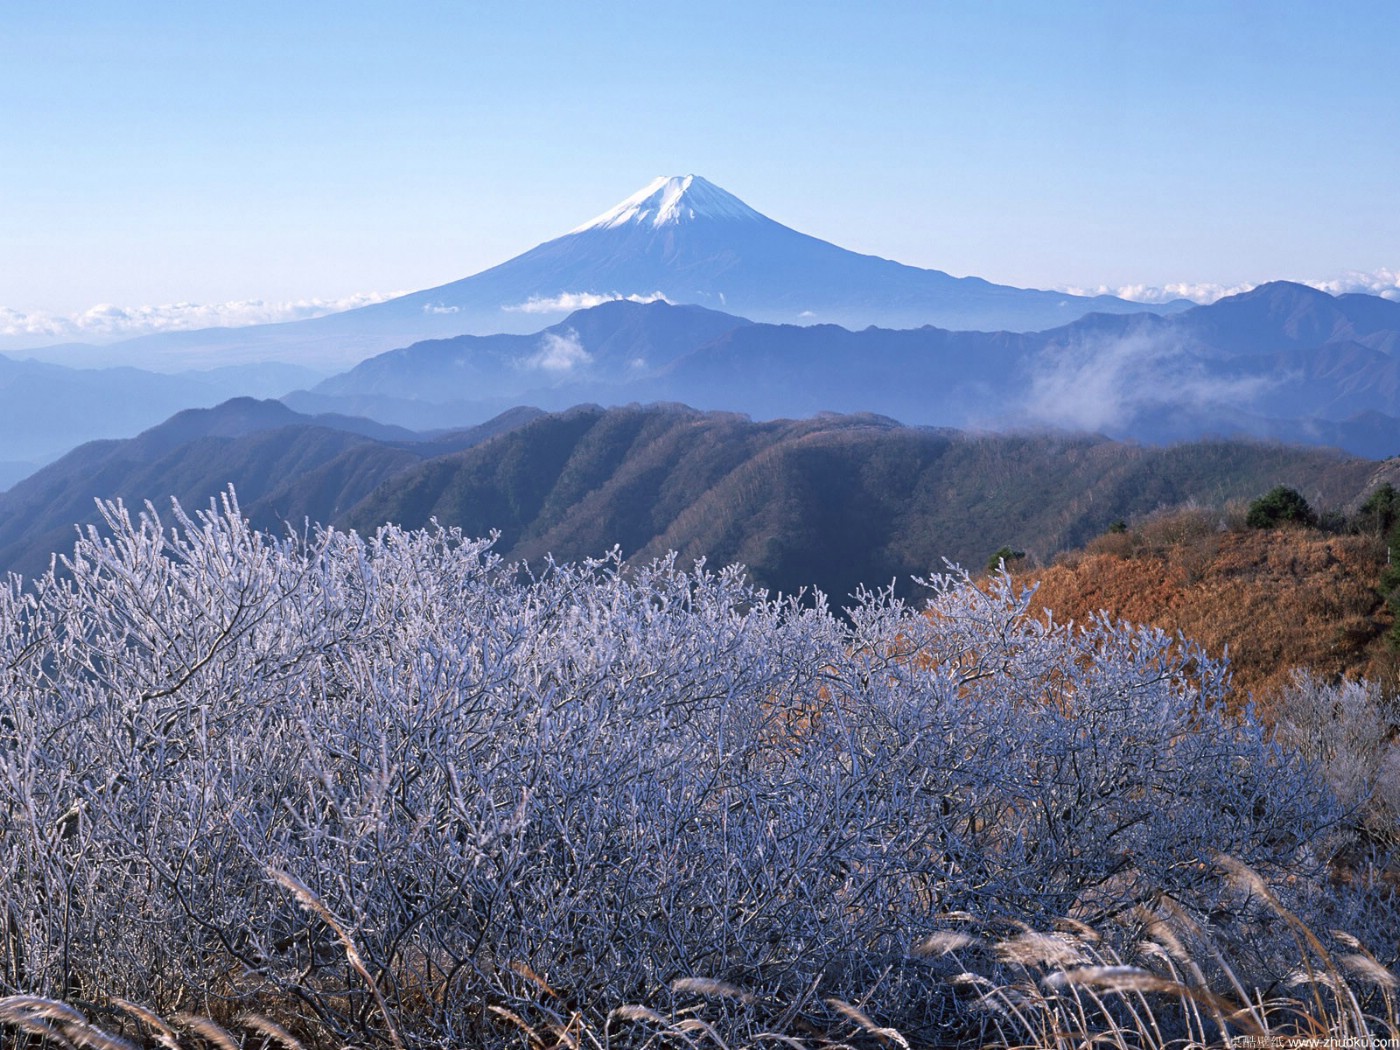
(1281, 505)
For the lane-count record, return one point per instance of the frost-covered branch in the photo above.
(608, 777)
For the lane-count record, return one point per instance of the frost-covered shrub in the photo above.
(1351, 730)
(564, 791)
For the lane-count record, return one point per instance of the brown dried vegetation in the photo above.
(1277, 600)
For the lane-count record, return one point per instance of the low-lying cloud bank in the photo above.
(570, 301)
(106, 322)
(1108, 385)
(1384, 282)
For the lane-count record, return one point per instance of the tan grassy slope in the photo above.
(1279, 599)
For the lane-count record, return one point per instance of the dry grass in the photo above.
(1275, 600)
(313, 905)
(1173, 988)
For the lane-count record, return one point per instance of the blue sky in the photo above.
(160, 153)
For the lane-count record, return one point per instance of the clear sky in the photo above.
(159, 152)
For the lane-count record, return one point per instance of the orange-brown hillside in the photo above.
(1279, 599)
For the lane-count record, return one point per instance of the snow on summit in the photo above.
(670, 202)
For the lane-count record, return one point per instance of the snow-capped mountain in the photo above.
(686, 240)
(672, 202)
(682, 239)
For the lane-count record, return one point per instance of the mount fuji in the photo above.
(680, 239)
(687, 240)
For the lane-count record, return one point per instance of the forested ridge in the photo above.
(831, 502)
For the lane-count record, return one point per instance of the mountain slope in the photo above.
(1282, 315)
(287, 467)
(835, 502)
(615, 342)
(688, 240)
(832, 501)
(1278, 599)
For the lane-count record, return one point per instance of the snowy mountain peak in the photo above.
(671, 202)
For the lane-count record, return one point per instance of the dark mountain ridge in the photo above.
(1283, 361)
(287, 466)
(613, 342)
(833, 501)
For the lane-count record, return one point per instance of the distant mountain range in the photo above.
(47, 409)
(1283, 361)
(682, 239)
(834, 501)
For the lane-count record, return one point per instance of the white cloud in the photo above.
(569, 301)
(559, 354)
(1200, 292)
(1102, 385)
(438, 308)
(106, 321)
(1384, 282)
